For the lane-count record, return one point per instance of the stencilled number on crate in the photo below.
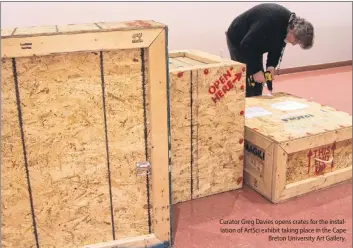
(224, 83)
(255, 157)
(256, 165)
(315, 158)
(296, 117)
(137, 38)
(259, 153)
(27, 45)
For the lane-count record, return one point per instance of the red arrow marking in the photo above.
(309, 160)
(237, 77)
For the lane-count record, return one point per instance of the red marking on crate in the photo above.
(205, 71)
(241, 141)
(222, 85)
(242, 87)
(342, 126)
(231, 68)
(322, 153)
(138, 23)
(241, 157)
(180, 74)
(243, 69)
(135, 60)
(237, 77)
(309, 160)
(308, 133)
(255, 182)
(239, 180)
(255, 129)
(242, 112)
(333, 148)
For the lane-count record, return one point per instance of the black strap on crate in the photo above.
(106, 144)
(143, 74)
(18, 102)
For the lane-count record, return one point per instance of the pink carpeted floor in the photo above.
(197, 223)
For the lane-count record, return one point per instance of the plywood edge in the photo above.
(208, 57)
(257, 138)
(7, 32)
(70, 29)
(82, 42)
(261, 184)
(176, 53)
(200, 67)
(317, 140)
(145, 241)
(312, 184)
(160, 151)
(202, 56)
(278, 172)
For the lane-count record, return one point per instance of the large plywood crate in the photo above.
(207, 124)
(294, 146)
(81, 107)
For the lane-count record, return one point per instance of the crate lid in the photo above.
(284, 117)
(78, 28)
(90, 37)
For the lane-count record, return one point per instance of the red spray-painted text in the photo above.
(323, 154)
(223, 85)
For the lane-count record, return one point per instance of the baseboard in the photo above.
(316, 67)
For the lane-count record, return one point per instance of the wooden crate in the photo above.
(81, 106)
(207, 124)
(294, 146)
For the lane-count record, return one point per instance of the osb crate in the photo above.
(81, 107)
(294, 146)
(207, 124)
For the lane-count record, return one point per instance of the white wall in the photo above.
(197, 25)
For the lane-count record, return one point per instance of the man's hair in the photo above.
(303, 32)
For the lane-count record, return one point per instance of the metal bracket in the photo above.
(143, 168)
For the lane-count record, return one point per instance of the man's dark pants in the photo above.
(255, 90)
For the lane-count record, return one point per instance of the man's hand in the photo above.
(271, 69)
(259, 77)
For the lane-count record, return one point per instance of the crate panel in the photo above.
(61, 99)
(207, 105)
(312, 143)
(16, 220)
(315, 162)
(88, 118)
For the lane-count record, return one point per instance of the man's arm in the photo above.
(248, 47)
(274, 55)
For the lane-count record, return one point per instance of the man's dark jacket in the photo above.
(261, 29)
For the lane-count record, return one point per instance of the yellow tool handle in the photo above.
(268, 76)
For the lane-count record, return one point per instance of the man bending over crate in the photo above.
(265, 28)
